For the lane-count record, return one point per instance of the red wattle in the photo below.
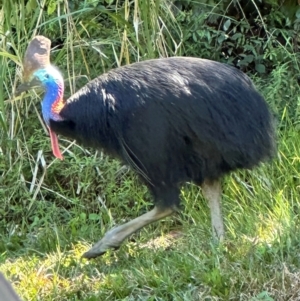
(54, 145)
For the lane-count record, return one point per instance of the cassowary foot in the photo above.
(109, 241)
(115, 237)
(96, 251)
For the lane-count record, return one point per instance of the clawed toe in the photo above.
(90, 254)
(96, 252)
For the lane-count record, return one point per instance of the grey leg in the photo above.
(212, 191)
(114, 238)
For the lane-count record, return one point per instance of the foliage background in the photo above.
(51, 211)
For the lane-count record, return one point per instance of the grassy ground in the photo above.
(174, 259)
(51, 212)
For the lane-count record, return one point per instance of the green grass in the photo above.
(259, 259)
(51, 212)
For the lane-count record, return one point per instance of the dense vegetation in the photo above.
(51, 211)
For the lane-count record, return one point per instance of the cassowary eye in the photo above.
(47, 76)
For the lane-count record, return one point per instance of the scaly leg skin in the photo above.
(115, 237)
(212, 191)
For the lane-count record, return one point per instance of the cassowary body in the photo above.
(172, 120)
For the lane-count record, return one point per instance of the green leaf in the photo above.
(194, 37)
(51, 7)
(30, 6)
(94, 217)
(82, 216)
(236, 36)
(221, 38)
(226, 25)
(264, 296)
(260, 68)
(249, 58)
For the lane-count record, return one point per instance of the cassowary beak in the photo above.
(27, 86)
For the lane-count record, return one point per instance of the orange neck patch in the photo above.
(57, 106)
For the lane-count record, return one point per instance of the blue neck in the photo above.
(52, 94)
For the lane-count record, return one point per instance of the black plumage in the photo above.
(172, 120)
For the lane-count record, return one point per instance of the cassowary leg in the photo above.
(212, 191)
(114, 238)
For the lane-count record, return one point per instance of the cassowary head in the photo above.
(37, 73)
(51, 80)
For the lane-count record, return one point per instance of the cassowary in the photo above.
(172, 120)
